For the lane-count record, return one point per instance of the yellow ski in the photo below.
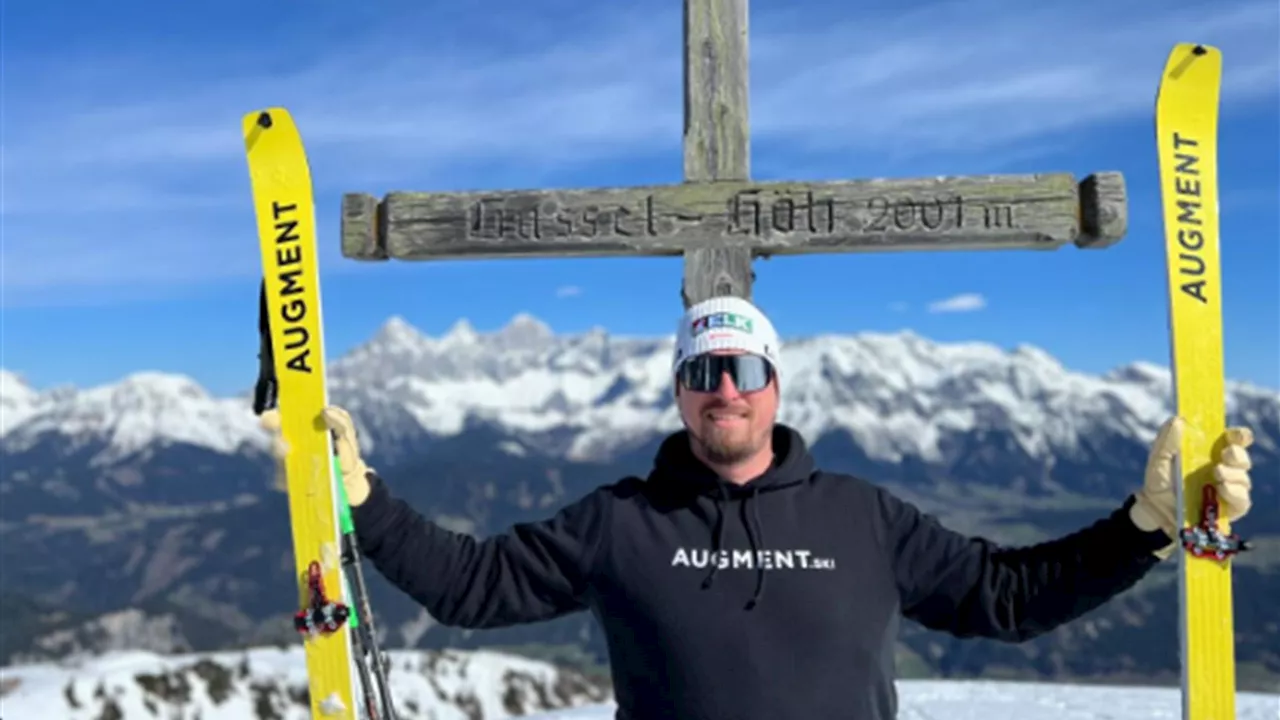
(282, 199)
(1187, 130)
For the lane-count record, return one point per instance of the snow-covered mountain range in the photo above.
(593, 396)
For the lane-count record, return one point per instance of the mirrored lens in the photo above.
(702, 373)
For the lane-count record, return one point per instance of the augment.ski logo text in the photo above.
(751, 559)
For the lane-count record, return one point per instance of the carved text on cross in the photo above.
(750, 212)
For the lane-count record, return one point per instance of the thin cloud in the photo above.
(568, 291)
(966, 302)
(133, 173)
(898, 307)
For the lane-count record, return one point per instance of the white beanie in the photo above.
(726, 323)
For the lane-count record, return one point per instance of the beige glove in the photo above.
(1155, 506)
(347, 445)
(352, 466)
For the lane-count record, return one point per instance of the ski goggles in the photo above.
(702, 373)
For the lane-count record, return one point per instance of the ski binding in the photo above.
(322, 616)
(1205, 539)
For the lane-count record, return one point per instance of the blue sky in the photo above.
(129, 238)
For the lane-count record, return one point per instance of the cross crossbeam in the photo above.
(718, 219)
(781, 218)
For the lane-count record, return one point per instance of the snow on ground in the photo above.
(270, 684)
(266, 684)
(982, 700)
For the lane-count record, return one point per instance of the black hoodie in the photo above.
(776, 599)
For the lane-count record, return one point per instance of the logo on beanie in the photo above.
(721, 320)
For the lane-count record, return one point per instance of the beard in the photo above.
(731, 445)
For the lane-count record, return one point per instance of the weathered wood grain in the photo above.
(717, 138)
(1104, 210)
(362, 232)
(1041, 211)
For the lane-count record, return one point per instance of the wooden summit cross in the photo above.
(718, 218)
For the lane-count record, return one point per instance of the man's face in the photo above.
(729, 425)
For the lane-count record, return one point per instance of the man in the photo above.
(739, 581)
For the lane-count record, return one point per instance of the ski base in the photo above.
(1186, 128)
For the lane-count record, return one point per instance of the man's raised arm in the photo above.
(534, 571)
(970, 587)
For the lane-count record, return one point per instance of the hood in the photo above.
(678, 476)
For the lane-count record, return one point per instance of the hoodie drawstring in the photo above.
(756, 539)
(755, 536)
(717, 538)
